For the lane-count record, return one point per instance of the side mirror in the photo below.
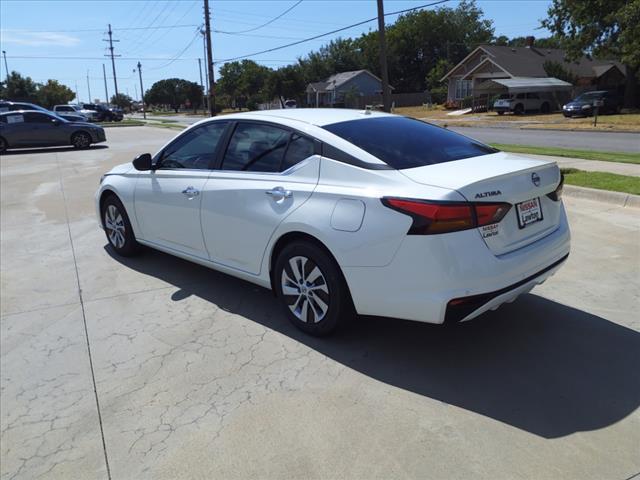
(143, 162)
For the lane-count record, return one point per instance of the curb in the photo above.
(615, 198)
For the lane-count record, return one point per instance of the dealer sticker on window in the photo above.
(529, 212)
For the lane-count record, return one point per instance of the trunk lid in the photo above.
(502, 177)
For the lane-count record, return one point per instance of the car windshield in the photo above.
(585, 97)
(403, 142)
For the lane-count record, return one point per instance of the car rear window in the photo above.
(403, 142)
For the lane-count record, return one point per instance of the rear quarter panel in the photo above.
(377, 235)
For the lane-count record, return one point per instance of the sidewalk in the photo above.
(590, 165)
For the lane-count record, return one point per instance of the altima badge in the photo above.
(535, 178)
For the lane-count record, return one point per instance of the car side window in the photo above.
(299, 148)
(520, 96)
(195, 149)
(32, 117)
(533, 95)
(256, 148)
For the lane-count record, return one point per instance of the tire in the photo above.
(311, 289)
(545, 108)
(117, 227)
(519, 110)
(501, 113)
(3, 145)
(81, 140)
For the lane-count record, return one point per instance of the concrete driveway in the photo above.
(153, 367)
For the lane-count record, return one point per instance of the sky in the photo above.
(64, 40)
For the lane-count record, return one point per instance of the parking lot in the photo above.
(153, 367)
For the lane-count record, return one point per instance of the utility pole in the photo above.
(77, 97)
(204, 103)
(144, 110)
(4, 54)
(207, 27)
(206, 73)
(106, 92)
(89, 87)
(386, 97)
(113, 61)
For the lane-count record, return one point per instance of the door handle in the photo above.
(279, 193)
(190, 192)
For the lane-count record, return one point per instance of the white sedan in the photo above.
(343, 210)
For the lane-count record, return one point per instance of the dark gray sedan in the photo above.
(31, 128)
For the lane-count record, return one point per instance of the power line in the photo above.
(331, 32)
(146, 38)
(159, 27)
(141, 13)
(169, 27)
(278, 37)
(146, 59)
(270, 21)
(177, 56)
(152, 59)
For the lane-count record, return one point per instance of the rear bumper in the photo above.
(428, 272)
(466, 308)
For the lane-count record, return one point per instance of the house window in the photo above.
(463, 88)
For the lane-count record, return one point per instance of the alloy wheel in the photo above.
(81, 140)
(114, 224)
(305, 289)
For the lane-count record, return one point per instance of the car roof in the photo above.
(13, 112)
(11, 102)
(313, 116)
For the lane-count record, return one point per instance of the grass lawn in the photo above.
(602, 181)
(572, 153)
(172, 126)
(122, 123)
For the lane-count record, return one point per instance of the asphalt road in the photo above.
(198, 375)
(603, 141)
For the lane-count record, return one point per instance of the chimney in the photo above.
(529, 41)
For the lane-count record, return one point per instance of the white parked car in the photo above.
(520, 103)
(89, 115)
(341, 209)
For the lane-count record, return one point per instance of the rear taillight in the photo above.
(556, 195)
(431, 217)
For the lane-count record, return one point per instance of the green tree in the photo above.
(285, 83)
(603, 28)
(244, 81)
(54, 93)
(436, 87)
(19, 89)
(557, 70)
(174, 92)
(121, 100)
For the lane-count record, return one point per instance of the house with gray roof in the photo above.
(477, 73)
(334, 89)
